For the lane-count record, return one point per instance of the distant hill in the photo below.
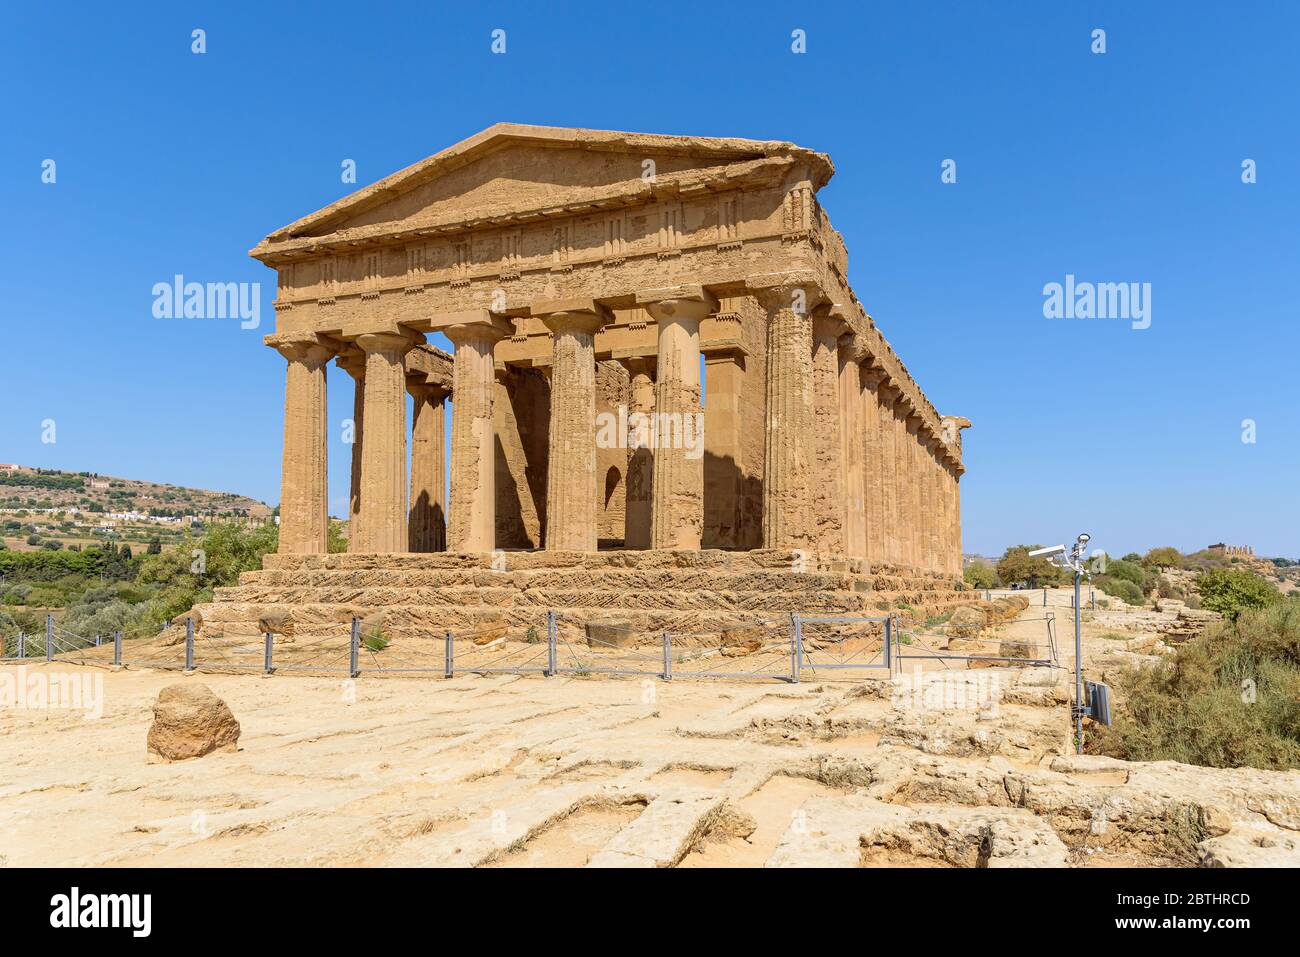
(82, 507)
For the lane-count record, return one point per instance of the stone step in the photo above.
(524, 560)
(630, 579)
(567, 578)
(757, 559)
(544, 598)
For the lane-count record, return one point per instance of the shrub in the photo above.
(1230, 591)
(1121, 588)
(980, 576)
(1163, 558)
(1229, 698)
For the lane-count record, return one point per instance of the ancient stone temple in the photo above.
(656, 350)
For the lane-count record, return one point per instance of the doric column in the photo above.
(428, 512)
(384, 519)
(891, 470)
(875, 472)
(933, 507)
(571, 461)
(353, 362)
(724, 373)
(472, 521)
(853, 439)
(829, 483)
(915, 505)
(954, 499)
(789, 449)
(677, 518)
(304, 486)
(640, 455)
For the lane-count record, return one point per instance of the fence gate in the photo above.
(827, 643)
(919, 645)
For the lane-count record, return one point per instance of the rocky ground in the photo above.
(936, 767)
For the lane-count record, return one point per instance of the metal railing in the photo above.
(783, 648)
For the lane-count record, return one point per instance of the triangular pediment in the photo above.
(512, 170)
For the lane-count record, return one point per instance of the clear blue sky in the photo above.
(1124, 166)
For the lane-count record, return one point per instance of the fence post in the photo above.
(49, 637)
(1094, 598)
(189, 644)
(668, 658)
(448, 657)
(267, 655)
(889, 643)
(1044, 597)
(22, 645)
(117, 648)
(796, 651)
(354, 648)
(552, 657)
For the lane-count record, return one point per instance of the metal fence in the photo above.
(788, 648)
(916, 644)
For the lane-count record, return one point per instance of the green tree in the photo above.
(1018, 566)
(980, 576)
(1163, 558)
(1230, 591)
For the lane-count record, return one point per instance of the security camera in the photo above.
(1049, 551)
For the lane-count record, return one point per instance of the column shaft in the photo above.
(828, 436)
(304, 490)
(853, 440)
(384, 522)
(428, 515)
(787, 490)
(640, 456)
(571, 465)
(472, 524)
(677, 514)
(724, 452)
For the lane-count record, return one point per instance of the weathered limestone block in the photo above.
(740, 639)
(610, 634)
(189, 722)
(277, 622)
(966, 622)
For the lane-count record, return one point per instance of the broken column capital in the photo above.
(308, 348)
(572, 315)
(399, 342)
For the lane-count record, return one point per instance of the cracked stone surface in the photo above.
(531, 771)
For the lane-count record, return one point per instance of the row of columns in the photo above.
(849, 468)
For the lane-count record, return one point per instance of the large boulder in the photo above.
(190, 721)
(966, 622)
